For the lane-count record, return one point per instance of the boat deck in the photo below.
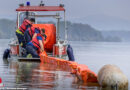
(28, 59)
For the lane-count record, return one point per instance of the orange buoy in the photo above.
(80, 70)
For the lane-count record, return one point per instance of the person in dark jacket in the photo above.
(23, 27)
(36, 44)
(30, 33)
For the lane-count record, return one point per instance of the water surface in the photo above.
(35, 76)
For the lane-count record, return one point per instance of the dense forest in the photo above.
(81, 32)
(124, 35)
(76, 32)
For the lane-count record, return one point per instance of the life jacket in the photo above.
(24, 25)
(36, 42)
(31, 31)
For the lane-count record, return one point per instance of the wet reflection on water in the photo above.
(36, 76)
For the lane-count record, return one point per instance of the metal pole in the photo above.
(35, 18)
(18, 24)
(18, 19)
(57, 29)
(66, 36)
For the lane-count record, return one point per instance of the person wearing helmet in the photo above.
(23, 27)
(36, 44)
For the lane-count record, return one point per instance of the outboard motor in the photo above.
(70, 53)
(6, 54)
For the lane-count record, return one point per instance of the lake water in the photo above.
(34, 76)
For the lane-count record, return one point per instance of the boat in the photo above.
(55, 47)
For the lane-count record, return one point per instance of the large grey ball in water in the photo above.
(110, 76)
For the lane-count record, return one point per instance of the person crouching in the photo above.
(20, 31)
(36, 44)
(30, 33)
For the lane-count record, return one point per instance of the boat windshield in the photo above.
(24, 15)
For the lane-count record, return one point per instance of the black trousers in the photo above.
(27, 36)
(31, 50)
(21, 39)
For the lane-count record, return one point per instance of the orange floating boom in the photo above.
(80, 70)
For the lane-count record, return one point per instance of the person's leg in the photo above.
(27, 36)
(32, 51)
(21, 39)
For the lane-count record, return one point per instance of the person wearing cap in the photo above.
(36, 44)
(23, 27)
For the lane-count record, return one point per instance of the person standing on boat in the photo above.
(20, 31)
(36, 44)
(30, 33)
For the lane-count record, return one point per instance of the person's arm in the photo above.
(41, 45)
(35, 34)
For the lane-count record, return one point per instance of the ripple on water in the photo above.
(36, 77)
